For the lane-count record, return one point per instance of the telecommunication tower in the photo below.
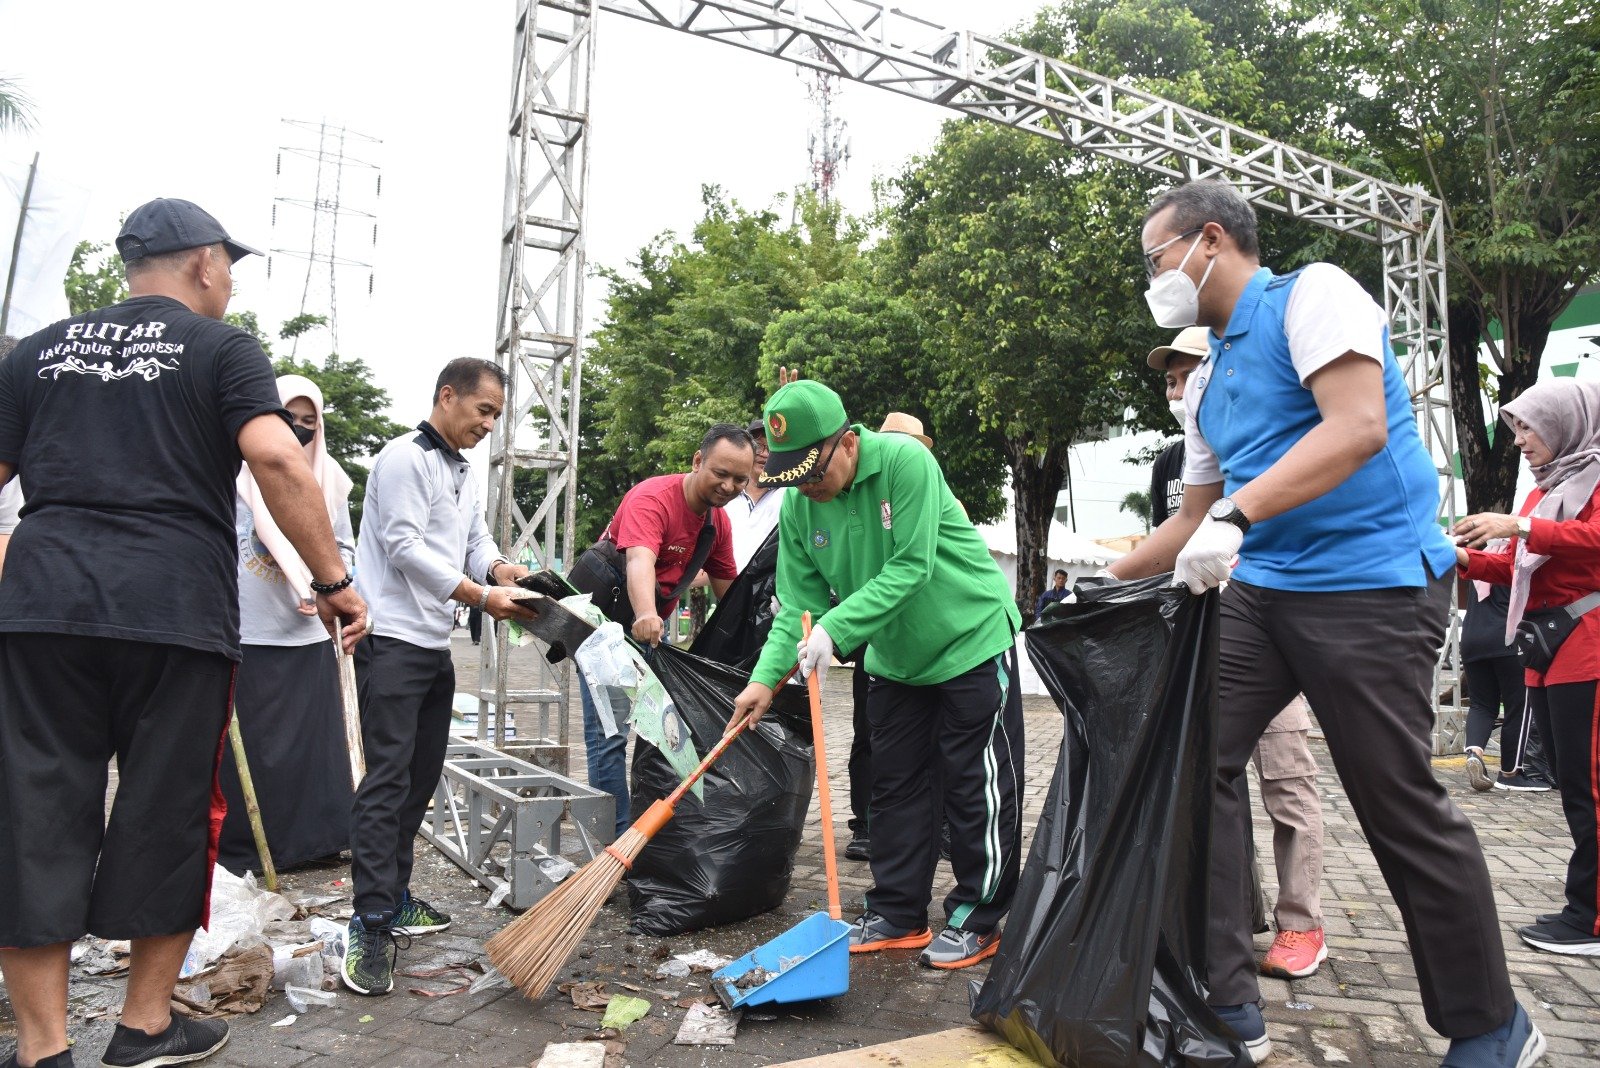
(827, 144)
(310, 225)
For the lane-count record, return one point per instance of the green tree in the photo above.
(1495, 107)
(680, 345)
(1137, 503)
(94, 278)
(16, 109)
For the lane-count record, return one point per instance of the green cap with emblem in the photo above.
(799, 418)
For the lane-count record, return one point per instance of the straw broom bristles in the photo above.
(531, 949)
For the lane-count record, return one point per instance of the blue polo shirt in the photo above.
(1249, 405)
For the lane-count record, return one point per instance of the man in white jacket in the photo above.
(423, 548)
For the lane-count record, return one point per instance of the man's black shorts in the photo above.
(68, 704)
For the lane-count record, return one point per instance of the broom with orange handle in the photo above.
(532, 948)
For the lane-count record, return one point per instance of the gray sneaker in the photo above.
(871, 933)
(955, 948)
(1478, 772)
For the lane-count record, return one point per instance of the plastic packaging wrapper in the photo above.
(1103, 959)
(240, 911)
(619, 678)
(738, 628)
(729, 856)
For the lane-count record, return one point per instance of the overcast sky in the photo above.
(183, 98)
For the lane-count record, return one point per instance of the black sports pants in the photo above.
(951, 752)
(1364, 659)
(860, 752)
(1494, 684)
(406, 693)
(1569, 719)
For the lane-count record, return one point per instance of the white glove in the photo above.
(816, 653)
(1208, 558)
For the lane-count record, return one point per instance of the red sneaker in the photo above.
(1295, 954)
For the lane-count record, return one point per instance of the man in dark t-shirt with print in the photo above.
(126, 426)
(656, 528)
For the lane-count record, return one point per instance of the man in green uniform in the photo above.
(874, 522)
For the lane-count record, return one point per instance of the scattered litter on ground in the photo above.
(661, 952)
(624, 1010)
(240, 911)
(689, 1003)
(556, 868)
(297, 965)
(501, 892)
(302, 998)
(672, 969)
(468, 972)
(591, 997)
(488, 980)
(96, 956)
(364, 1019)
(1299, 1006)
(707, 1025)
(286, 1021)
(702, 960)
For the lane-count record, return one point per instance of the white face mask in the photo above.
(1173, 297)
(1179, 412)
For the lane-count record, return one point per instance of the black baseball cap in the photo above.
(171, 225)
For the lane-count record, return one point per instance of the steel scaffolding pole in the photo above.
(539, 344)
(985, 77)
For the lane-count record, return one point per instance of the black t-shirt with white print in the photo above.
(1166, 484)
(123, 426)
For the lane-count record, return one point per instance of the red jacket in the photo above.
(1572, 572)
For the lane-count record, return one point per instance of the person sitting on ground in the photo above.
(1553, 560)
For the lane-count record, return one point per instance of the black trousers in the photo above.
(406, 693)
(1364, 659)
(950, 752)
(1493, 685)
(1569, 718)
(68, 704)
(860, 753)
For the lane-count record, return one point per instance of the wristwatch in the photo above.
(1524, 527)
(1225, 511)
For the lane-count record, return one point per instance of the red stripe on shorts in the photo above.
(219, 803)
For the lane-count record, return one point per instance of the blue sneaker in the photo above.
(1247, 1023)
(1514, 1044)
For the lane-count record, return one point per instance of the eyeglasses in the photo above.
(1151, 267)
(822, 471)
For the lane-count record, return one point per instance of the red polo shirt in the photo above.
(655, 515)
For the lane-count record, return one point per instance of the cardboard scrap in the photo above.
(236, 985)
(590, 997)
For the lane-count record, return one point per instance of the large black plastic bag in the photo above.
(731, 857)
(738, 628)
(1103, 958)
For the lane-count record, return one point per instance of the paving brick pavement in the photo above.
(1361, 1010)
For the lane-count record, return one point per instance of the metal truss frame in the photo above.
(985, 77)
(502, 820)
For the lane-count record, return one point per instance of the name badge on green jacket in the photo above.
(819, 538)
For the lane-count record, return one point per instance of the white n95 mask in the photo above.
(1179, 412)
(1173, 297)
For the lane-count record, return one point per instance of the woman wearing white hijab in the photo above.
(1552, 561)
(286, 695)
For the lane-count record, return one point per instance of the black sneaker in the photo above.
(860, 847)
(370, 954)
(1478, 772)
(1561, 937)
(417, 917)
(1520, 783)
(183, 1041)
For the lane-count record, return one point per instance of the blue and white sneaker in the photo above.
(1248, 1024)
(1514, 1044)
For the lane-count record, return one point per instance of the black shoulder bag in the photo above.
(602, 572)
(1540, 633)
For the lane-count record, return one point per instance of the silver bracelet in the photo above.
(483, 602)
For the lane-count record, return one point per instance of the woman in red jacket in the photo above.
(1553, 560)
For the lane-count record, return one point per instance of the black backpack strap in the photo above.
(702, 553)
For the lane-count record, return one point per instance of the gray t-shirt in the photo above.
(267, 615)
(10, 505)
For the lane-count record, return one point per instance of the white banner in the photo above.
(50, 232)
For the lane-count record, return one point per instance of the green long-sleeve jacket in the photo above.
(915, 581)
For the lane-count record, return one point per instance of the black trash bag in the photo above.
(738, 628)
(1103, 959)
(731, 857)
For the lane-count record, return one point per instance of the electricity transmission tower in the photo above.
(311, 225)
(827, 145)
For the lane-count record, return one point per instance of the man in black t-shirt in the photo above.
(119, 623)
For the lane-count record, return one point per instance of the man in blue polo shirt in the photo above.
(1304, 465)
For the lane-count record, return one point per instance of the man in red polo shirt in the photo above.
(657, 528)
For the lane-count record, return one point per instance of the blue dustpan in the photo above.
(811, 959)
